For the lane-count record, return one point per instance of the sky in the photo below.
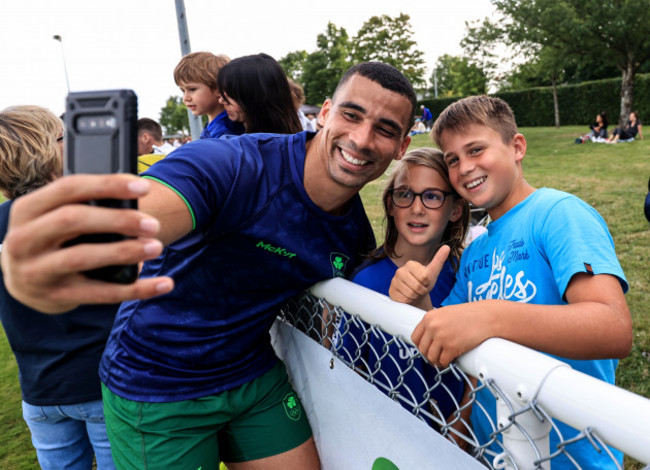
(135, 43)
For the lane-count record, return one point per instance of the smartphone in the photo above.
(101, 137)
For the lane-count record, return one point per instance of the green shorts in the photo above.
(259, 419)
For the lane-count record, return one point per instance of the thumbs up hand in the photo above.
(413, 281)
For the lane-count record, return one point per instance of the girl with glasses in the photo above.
(422, 213)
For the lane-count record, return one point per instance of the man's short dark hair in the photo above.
(388, 77)
(151, 127)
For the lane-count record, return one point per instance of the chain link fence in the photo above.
(503, 426)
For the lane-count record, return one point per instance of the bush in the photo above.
(578, 104)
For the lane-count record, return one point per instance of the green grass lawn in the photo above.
(612, 178)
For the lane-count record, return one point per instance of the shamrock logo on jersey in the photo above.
(339, 262)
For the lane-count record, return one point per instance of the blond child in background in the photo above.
(196, 76)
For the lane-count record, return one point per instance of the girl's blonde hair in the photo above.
(455, 232)
(30, 154)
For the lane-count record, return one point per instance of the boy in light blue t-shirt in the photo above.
(545, 275)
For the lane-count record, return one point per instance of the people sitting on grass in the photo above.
(418, 127)
(629, 132)
(598, 130)
(646, 207)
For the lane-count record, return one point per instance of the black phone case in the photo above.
(101, 137)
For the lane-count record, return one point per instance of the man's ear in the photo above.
(403, 147)
(324, 112)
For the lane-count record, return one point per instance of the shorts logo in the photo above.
(292, 406)
(339, 262)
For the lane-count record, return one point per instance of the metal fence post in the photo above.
(526, 438)
(181, 18)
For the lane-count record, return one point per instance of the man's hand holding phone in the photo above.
(101, 138)
(44, 273)
(79, 239)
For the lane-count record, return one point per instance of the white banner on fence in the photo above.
(355, 425)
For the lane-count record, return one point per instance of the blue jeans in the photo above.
(66, 436)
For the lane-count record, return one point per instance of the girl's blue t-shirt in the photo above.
(421, 377)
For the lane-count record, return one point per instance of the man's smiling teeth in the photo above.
(350, 159)
(475, 183)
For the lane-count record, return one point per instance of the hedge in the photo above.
(579, 104)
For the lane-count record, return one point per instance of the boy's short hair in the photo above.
(30, 153)
(151, 127)
(200, 67)
(388, 77)
(483, 110)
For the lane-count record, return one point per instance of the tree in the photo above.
(607, 31)
(456, 76)
(293, 64)
(381, 38)
(173, 117)
(389, 40)
(548, 66)
(481, 43)
(323, 68)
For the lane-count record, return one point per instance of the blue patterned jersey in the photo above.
(258, 241)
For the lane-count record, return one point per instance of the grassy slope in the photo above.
(612, 178)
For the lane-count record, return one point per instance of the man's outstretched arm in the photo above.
(43, 274)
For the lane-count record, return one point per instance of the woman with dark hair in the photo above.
(598, 132)
(255, 91)
(629, 132)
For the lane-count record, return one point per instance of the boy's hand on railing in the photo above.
(448, 332)
(413, 281)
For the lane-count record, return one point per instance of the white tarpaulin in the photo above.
(355, 425)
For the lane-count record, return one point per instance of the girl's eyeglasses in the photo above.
(431, 198)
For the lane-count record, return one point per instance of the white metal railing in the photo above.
(531, 387)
